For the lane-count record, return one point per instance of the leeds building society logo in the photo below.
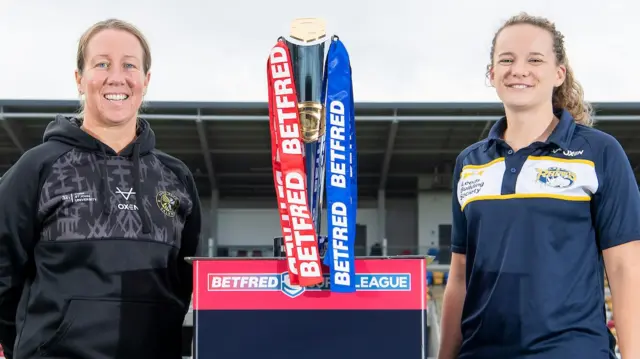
(555, 177)
(168, 203)
(470, 173)
(470, 184)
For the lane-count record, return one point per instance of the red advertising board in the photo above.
(262, 284)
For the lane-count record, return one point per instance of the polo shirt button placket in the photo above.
(513, 169)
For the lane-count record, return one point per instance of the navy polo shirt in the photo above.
(533, 224)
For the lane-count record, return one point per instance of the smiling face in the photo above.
(525, 71)
(112, 77)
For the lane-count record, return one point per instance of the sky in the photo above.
(400, 50)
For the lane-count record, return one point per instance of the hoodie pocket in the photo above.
(108, 328)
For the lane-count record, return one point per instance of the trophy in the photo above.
(312, 128)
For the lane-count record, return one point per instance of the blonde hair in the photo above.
(570, 95)
(110, 24)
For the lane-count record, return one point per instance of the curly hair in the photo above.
(569, 95)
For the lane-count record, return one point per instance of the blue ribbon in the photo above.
(342, 168)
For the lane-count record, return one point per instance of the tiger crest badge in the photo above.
(168, 203)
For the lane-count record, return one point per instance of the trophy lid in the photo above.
(308, 29)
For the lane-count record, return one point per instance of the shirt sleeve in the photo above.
(459, 221)
(18, 218)
(190, 243)
(616, 203)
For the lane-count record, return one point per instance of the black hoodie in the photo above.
(92, 247)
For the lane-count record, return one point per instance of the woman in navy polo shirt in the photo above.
(540, 208)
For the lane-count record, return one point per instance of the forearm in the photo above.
(625, 292)
(450, 333)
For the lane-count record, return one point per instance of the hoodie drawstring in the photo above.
(106, 204)
(136, 187)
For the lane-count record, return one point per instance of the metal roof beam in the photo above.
(9, 129)
(388, 153)
(267, 187)
(382, 118)
(266, 151)
(260, 151)
(204, 147)
(191, 106)
(378, 151)
(269, 175)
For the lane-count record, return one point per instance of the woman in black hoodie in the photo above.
(95, 223)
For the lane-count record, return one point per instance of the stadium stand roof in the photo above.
(227, 144)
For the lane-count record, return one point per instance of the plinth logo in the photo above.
(288, 288)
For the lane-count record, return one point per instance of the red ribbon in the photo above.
(287, 152)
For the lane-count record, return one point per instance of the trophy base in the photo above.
(280, 252)
(273, 314)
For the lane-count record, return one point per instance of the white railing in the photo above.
(434, 332)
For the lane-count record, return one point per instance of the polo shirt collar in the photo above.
(561, 135)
